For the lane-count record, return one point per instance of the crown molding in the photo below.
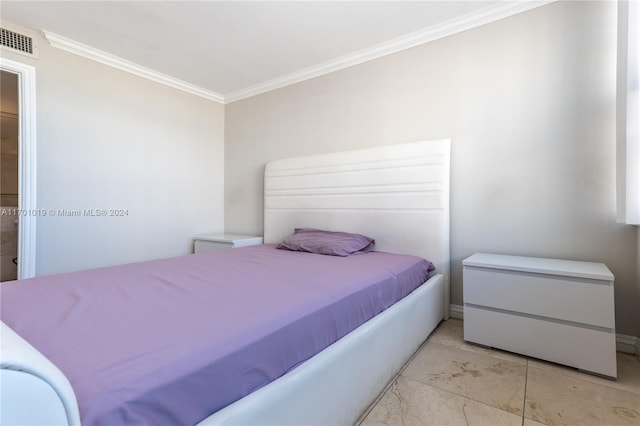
(490, 14)
(97, 55)
(435, 32)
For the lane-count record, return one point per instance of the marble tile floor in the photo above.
(451, 382)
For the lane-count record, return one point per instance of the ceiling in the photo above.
(227, 47)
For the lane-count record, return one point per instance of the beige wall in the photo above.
(529, 103)
(110, 140)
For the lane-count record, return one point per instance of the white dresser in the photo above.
(557, 310)
(208, 242)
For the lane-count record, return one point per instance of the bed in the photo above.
(398, 194)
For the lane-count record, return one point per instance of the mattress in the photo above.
(175, 340)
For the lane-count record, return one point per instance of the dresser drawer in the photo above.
(579, 300)
(581, 347)
(200, 246)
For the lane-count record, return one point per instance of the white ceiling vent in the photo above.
(18, 40)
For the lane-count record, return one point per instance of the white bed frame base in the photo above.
(398, 194)
(33, 391)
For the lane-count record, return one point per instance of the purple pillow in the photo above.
(327, 242)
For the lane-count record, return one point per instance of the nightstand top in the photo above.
(227, 238)
(591, 270)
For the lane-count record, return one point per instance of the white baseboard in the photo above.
(624, 343)
(627, 344)
(456, 311)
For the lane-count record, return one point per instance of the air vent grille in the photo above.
(16, 41)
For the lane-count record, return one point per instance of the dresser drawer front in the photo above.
(584, 348)
(200, 246)
(566, 298)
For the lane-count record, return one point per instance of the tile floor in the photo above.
(450, 382)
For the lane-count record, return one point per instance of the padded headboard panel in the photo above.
(397, 194)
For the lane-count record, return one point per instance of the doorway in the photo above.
(9, 218)
(25, 75)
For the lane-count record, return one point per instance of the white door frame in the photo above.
(27, 203)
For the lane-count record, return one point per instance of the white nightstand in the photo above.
(208, 242)
(557, 310)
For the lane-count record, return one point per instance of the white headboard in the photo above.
(397, 194)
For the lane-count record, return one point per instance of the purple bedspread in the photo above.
(174, 340)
